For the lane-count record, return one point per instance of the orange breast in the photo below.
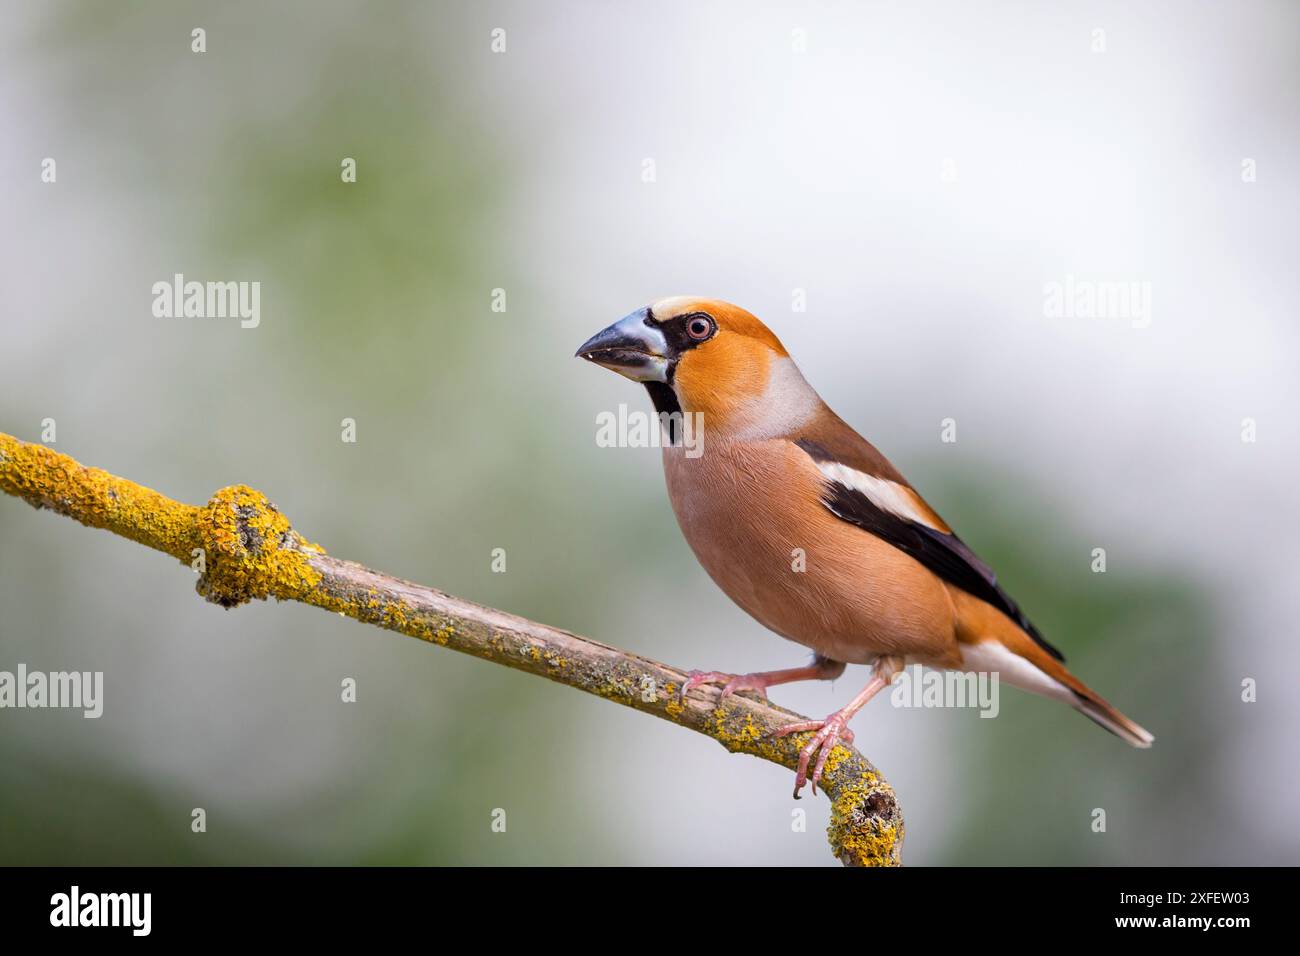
(751, 512)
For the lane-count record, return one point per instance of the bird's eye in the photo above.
(699, 328)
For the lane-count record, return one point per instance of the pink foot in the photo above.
(830, 732)
(731, 683)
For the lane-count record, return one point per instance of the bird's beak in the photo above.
(630, 347)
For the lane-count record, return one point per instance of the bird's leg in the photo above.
(822, 668)
(835, 728)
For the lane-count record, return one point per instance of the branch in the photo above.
(247, 549)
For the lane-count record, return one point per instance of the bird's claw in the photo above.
(830, 732)
(731, 683)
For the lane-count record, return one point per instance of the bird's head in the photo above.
(698, 355)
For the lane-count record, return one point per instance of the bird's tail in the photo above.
(1024, 663)
(1098, 710)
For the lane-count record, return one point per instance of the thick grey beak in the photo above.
(630, 347)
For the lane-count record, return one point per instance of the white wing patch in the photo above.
(884, 494)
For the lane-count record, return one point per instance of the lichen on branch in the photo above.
(246, 549)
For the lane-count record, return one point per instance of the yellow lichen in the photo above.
(48, 479)
(857, 835)
(252, 550)
(247, 548)
(740, 733)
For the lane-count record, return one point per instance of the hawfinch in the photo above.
(884, 582)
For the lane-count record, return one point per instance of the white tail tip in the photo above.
(1110, 718)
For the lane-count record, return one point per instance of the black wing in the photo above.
(944, 554)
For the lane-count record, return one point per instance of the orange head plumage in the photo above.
(697, 355)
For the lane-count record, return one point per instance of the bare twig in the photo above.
(247, 549)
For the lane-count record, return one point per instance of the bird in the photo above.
(884, 582)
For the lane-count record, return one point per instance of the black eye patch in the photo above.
(676, 331)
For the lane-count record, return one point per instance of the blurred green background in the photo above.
(522, 170)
